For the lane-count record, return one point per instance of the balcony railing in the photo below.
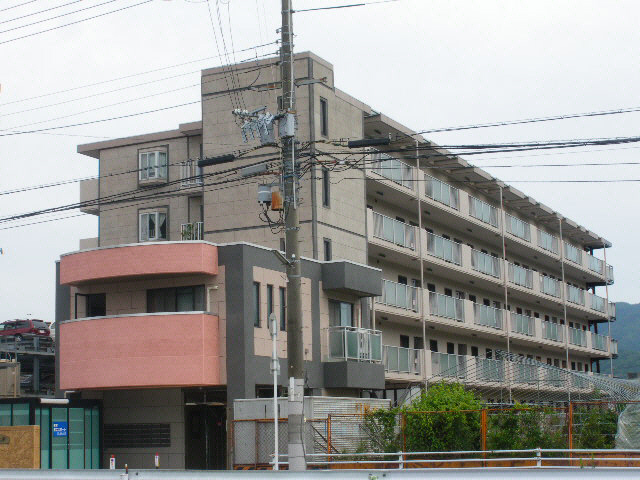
(555, 377)
(441, 192)
(612, 309)
(444, 248)
(595, 264)
(599, 342)
(614, 347)
(548, 242)
(525, 373)
(575, 295)
(550, 286)
(448, 365)
(190, 173)
(399, 295)
(552, 331)
(610, 274)
(518, 227)
(402, 360)
(520, 276)
(523, 324)
(191, 231)
(487, 316)
(596, 302)
(483, 211)
(577, 337)
(446, 306)
(351, 343)
(485, 263)
(393, 169)
(489, 370)
(394, 231)
(573, 254)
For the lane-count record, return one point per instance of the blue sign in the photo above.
(60, 429)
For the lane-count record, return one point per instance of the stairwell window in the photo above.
(324, 117)
(153, 226)
(152, 166)
(256, 304)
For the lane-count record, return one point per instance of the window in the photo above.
(431, 287)
(283, 309)
(462, 349)
(324, 117)
(474, 351)
(402, 279)
(326, 187)
(488, 353)
(448, 292)
(269, 301)
(404, 341)
(152, 165)
(451, 348)
(340, 314)
(153, 226)
(472, 298)
(256, 304)
(418, 344)
(179, 299)
(96, 305)
(326, 243)
(433, 345)
(283, 247)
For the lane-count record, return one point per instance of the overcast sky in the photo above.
(426, 64)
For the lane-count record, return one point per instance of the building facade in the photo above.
(414, 261)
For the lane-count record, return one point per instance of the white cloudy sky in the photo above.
(425, 63)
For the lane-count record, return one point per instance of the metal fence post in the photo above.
(329, 436)
(484, 435)
(538, 457)
(401, 460)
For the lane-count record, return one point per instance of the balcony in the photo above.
(489, 370)
(485, 263)
(399, 295)
(441, 192)
(191, 231)
(356, 344)
(483, 211)
(573, 254)
(525, 373)
(552, 331)
(394, 231)
(577, 337)
(444, 249)
(518, 228)
(614, 347)
(191, 174)
(575, 295)
(548, 242)
(402, 360)
(599, 342)
(487, 316)
(142, 350)
(446, 306)
(393, 169)
(448, 365)
(595, 264)
(550, 286)
(523, 324)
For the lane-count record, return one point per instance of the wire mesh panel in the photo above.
(514, 428)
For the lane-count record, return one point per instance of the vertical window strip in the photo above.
(256, 304)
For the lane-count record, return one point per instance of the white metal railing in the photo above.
(595, 264)
(548, 242)
(577, 337)
(612, 309)
(523, 324)
(614, 346)
(483, 211)
(487, 316)
(445, 306)
(520, 275)
(191, 231)
(352, 343)
(518, 227)
(394, 231)
(599, 342)
(610, 274)
(550, 286)
(444, 248)
(575, 295)
(399, 295)
(573, 254)
(552, 331)
(190, 173)
(448, 365)
(596, 302)
(441, 192)
(485, 263)
(402, 360)
(489, 370)
(393, 169)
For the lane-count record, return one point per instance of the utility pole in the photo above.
(295, 356)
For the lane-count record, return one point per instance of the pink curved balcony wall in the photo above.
(140, 351)
(138, 261)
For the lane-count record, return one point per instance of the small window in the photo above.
(152, 166)
(326, 188)
(474, 351)
(451, 348)
(324, 117)
(404, 341)
(340, 314)
(448, 292)
(431, 287)
(153, 226)
(402, 279)
(283, 309)
(326, 243)
(269, 301)
(472, 298)
(283, 247)
(418, 344)
(433, 345)
(488, 353)
(462, 349)
(180, 299)
(256, 304)
(96, 305)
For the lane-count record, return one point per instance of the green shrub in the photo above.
(594, 427)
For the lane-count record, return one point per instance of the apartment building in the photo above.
(414, 261)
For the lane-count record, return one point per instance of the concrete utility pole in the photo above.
(295, 356)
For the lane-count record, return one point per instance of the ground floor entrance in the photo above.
(205, 430)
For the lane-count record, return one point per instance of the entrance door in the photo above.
(205, 437)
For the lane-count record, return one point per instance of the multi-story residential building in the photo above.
(415, 260)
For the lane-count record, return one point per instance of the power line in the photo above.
(53, 18)
(18, 5)
(76, 22)
(40, 11)
(362, 4)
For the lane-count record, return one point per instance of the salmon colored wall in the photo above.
(138, 260)
(140, 351)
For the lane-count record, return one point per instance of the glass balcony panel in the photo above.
(575, 295)
(375, 340)
(518, 227)
(597, 303)
(572, 253)
(595, 264)
(441, 192)
(547, 241)
(336, 343)
(549, 286)
(403, 363)
(351, 343)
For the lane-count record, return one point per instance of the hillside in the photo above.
(626, 329)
